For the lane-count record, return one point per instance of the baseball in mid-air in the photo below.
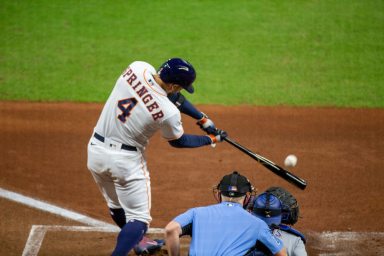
(290, 161)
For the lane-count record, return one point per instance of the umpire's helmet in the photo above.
(268, 208)
(235, 185)
(178, 71)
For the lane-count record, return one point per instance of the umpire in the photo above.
(224, 228)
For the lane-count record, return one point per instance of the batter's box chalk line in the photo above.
(37, 234)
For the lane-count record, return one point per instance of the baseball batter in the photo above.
(142, 102)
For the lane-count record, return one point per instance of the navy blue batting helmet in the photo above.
(178, 71)
(268, 208)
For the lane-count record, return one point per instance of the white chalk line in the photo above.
(68, 214)
(331, 241)
(35, 239)
(37, 233)
(40, 205)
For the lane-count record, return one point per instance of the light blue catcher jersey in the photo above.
(226, 229)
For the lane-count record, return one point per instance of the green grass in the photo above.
(301, 53)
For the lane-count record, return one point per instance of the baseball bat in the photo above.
(288, 176)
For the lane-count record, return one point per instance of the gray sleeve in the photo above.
(299, 248)
(294, 245)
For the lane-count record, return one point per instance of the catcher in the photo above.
(280, 210)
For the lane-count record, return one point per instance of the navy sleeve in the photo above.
(185, 106)
(191, 141)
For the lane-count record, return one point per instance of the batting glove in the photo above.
(218, 136)
(206, 124)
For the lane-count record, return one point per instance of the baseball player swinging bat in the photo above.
(288, 176)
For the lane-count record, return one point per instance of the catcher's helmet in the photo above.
(268, 208)
(235, 185)
(289, 205)
(178, 71)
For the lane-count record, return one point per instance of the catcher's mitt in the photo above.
(290, 207)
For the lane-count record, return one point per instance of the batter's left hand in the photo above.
(206, 124)
(218, 136)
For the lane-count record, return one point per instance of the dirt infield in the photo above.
(340, 151)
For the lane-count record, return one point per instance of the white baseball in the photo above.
(290, 161)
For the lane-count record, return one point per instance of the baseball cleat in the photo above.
(148, 246)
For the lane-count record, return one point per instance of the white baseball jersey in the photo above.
(294, 245)
(137, 108)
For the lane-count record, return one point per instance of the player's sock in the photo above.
(129, 236)
(118, 216)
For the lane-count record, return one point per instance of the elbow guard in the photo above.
(177, 99)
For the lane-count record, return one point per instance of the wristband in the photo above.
(203, 120)
(213, 138)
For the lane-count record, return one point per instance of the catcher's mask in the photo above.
(268, 208)
(234, 185)
(289, 205)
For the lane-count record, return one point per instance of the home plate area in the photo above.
(98, 237)
(44, 240)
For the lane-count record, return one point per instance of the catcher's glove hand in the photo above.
(290, 207)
